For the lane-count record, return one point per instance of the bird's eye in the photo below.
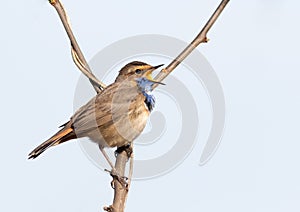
(138, 71)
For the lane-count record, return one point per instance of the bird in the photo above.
(116, 116)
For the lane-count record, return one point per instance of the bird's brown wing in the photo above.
(115, 116)
(84, 119)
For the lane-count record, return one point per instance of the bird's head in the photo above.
(136, 70)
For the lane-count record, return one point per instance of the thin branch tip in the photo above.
(108, 208)
(200, 38)
(52, 2)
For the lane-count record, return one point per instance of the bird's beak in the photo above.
(157, 82)
(149, 74)
(156, 67)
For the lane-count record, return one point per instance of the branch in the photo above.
(200, 38)
(77, 55)
(121, 190)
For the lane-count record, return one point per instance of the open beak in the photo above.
(149, 74)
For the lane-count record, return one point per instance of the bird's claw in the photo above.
(127, 148)
(121, 179)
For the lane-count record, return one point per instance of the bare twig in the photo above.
(125, 153)
(200, 38)
(97, 84)
(120, 189)
(76, 52)
(130, 171)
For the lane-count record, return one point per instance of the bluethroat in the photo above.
(115, 116)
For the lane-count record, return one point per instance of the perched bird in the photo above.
(115, 116)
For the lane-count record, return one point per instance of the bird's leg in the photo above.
(113, 171)
(106, 157)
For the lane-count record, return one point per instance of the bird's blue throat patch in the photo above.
(145, 86)
(149, 100)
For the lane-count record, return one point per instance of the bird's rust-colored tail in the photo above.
(61, 136)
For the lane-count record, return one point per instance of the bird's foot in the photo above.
(116, 176)
(127, 148)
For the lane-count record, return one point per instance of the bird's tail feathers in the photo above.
(60, 137)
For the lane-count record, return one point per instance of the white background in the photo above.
(254, 49)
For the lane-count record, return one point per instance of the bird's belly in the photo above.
(123, 127)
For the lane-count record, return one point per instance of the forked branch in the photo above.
(121, 193)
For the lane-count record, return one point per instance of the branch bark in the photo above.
(121, 190)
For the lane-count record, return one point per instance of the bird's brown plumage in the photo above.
(114, 117)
